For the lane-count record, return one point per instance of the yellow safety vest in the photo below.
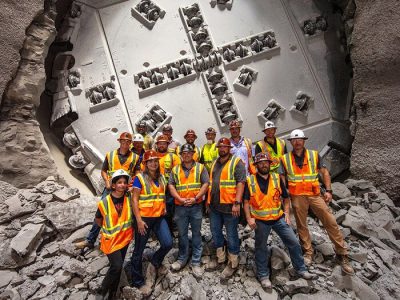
(209, 153)
(280, 148)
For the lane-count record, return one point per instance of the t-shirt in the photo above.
(240, 150)
(274, 147)
(118, 203)
(204, 177)
(239, 175)
(122, 159)
(263, 184)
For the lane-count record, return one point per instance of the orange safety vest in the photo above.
(167, 162)
(268, 206)
(187, 187)
(116, 231)
(227, 182)
(152, 197)
(302, 181)
(196, 155)
(275, 156)
(114, 163)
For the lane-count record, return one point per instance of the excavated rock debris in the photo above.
(39, 226)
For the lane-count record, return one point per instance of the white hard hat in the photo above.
(297, 134)
(138, 138)
(120, 173)
(268, 125)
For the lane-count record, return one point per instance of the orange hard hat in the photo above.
(235, 124)
(125, 136)
(262, 157)
(224, 142)
(150, 154)
(162, 138)
(190, 132)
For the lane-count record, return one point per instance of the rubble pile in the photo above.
(39, 226)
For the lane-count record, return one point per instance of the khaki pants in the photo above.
(300, 205)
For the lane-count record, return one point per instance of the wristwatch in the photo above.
(328, 191)
(236, 202)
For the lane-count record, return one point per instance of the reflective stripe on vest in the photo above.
(187, 187)
(227, 182)
(275, 156)
(302, 181)
(151, 198)
(116, 230)
(115, 164)
(265, 206)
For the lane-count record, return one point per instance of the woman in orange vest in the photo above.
(149, 209)
(114, 216)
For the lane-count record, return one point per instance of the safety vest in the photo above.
(148, 142)
(302, 181)
(209, 153)
(116, 231)
(227, 182)
(280, 151)
(167, 162)
(152, 197)
(114, 163)
(196, 155)
(187, 187)
(268, 206)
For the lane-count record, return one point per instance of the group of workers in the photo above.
(151, 187)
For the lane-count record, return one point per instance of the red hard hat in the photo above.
(150, 154)
(162, 138)
(125, 136)
(262, 157)
(234, 124)
(224, 142)
(190, 132)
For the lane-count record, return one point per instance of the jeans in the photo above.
(170, 206)
(95, 230)
(217, 220)
(160, 227)
(288, 237)
(111, 280)
(185, 215)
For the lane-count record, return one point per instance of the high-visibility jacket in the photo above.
(268, 206)
(167, 162)
(209, 153)
(116, 230)
(302, 181)
(275, 156)
(152, 197)
(187, 187)
(114, 163)
(196, 155)
(227, 182)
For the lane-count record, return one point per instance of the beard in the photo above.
(263, 171)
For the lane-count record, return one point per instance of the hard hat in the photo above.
(190, 132)
(125, 136)
(210, 130)
(162, 138)
(167, 127)
(186, 148)
(150, 154)
(262, 157)
(297, 134)
(120, 173)
(224, 142)
(235, 124)
(268, 125)
(138, 138)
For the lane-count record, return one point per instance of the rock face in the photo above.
(25, 159)
(374, 53)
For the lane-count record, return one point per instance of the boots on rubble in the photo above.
(221, 255)
(345, 264)
(233, 263)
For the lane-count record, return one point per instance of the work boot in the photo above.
(307, 259)
(84, 244)
(211, 265)
(345, 264)
(197, 271)
(266, 283)
(307, 275)
(231, 266)
(151, 273)
(177, 266)
(221, 255)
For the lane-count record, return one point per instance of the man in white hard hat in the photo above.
(302, 167)
(272, 145)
